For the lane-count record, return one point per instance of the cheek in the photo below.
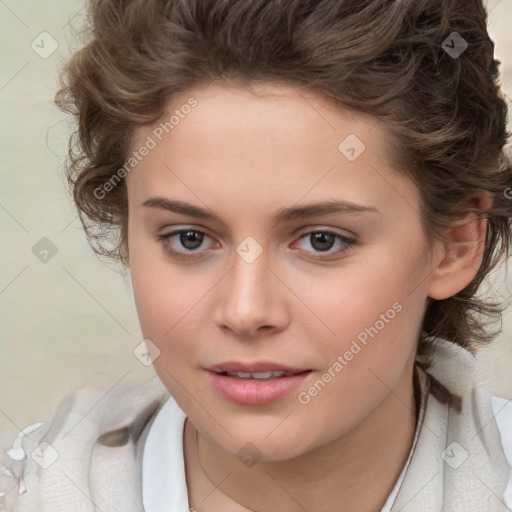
(366, 293)
(167, 301)
(162, 305)
(373, 317)
(155, 293)
(375, 336)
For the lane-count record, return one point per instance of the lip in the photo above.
(253, 367)
(255, 391)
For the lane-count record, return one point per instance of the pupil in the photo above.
(320, 237)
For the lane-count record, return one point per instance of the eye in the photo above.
(323, 240)
(190, 239)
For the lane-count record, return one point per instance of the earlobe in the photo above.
(462, 253)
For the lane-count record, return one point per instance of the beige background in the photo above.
(68, 317)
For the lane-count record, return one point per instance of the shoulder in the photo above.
(460, 380)
(87, 452)
(502, 409)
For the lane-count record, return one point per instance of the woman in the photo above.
(308, 195)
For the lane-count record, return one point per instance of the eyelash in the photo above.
(183, 255)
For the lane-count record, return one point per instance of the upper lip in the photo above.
(253, 367)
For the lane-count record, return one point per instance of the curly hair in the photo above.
(388, 58)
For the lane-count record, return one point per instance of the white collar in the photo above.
(164, 485)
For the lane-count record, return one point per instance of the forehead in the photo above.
(274, 141)
(273, 111)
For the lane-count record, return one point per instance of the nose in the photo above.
(251, 300)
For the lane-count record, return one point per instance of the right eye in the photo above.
(190, 239)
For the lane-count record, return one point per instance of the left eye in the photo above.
(324, 240)
(192, 239)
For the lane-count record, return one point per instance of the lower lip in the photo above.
(255, 391)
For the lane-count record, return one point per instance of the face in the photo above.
(338, 294)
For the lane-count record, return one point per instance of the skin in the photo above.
(244, 156)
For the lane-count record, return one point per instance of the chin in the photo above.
(258, 446)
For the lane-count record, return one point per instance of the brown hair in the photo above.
(388, 58)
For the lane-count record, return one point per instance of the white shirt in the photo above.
(164, 486)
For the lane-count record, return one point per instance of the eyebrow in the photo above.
(284, 215)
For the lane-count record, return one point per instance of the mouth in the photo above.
(255, 384)
(256, 369)
(261, 375)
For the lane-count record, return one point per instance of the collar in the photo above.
(163, 465)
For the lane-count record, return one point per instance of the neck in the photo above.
(354, 473)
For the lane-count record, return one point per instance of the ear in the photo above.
(461, 255)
